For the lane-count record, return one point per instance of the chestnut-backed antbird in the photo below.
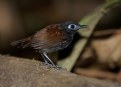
(51, 38)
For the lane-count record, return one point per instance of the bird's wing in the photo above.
(22, 43)
(47, 38)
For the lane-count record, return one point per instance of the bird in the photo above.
(52, 38)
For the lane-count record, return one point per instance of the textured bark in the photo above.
(19, 72)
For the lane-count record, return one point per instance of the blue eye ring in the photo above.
(72, 26)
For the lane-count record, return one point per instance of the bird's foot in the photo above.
(52, 65)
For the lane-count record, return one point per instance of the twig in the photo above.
(96, 73)
(106, 32)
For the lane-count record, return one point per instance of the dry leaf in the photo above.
(109, 50)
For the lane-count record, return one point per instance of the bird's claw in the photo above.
(52, 65)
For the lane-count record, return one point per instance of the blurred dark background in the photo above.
(21, 18)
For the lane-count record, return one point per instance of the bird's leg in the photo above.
(47, 60)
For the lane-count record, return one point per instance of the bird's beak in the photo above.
(81, 26)
(84, 26)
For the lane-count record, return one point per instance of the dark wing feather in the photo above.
(38, 45)
(48, 37)
(22, 43)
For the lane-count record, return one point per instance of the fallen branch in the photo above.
(19, 72)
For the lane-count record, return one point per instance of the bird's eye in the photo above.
(72, 26)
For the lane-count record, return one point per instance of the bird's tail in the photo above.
(21, 43)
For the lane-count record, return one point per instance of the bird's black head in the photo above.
(71, 27)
